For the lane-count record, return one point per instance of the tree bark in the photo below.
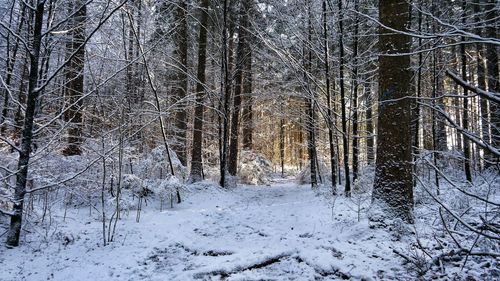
(393, 186)
(355, 137)
(225, 92)
(310, 102)
(196, 173)
(370, 138)
(333, 162)
(493, 77)
(75, 80)
(247, 114)
(481, 77)
(465, 120)
(180, 92)
(238, 89)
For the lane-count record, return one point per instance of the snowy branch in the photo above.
(491, 96)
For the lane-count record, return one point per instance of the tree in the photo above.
(27, 132)
(196, 173)
(333, 162)
(75, 79)
(465, 120)
(343, 101)
(36, 85)
(180, 91)
(393, 186)
(225, 88)
(493, 76)
(247, 113)
(310, 100)
(241, 59)
(355, 131)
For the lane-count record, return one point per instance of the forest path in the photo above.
(282, 231)
(278, 232)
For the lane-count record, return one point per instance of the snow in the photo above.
(281, 231)
(215, 233)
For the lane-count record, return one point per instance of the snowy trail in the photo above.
(277, 232)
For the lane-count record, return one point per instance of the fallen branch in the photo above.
(463, 252)
(227, 273)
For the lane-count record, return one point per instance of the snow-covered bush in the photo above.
(167, 188)
(156, 164)
(304, 177)
(253, 168)
(132, 182)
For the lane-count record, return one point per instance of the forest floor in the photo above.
(282, 231)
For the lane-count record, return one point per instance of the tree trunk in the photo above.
(333, 162)
(75, 80)
(238, 85)
(481, 78)
(415, 103)
(225, 92)
(282, 146)
(196, 173)
(310, 102)
(343, 100)
(27, 133)
(493, 77)
(393, 186)
(355, 137)
(180, 92)
(465, 120)
(456, 102)
(247, 114)
(370, 138)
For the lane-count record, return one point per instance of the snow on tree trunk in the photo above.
(393, 188)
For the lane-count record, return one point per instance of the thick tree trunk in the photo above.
(393, 187)
(27, 133)
(75, 80)
(225, 92)
(415, 103)
(238, 88)
(493, 77)
(247, 114)
(180, 92)
(196, 173)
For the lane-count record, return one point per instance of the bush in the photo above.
(254, 168)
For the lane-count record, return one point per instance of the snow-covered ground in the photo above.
(277, 232)
(281, 231)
